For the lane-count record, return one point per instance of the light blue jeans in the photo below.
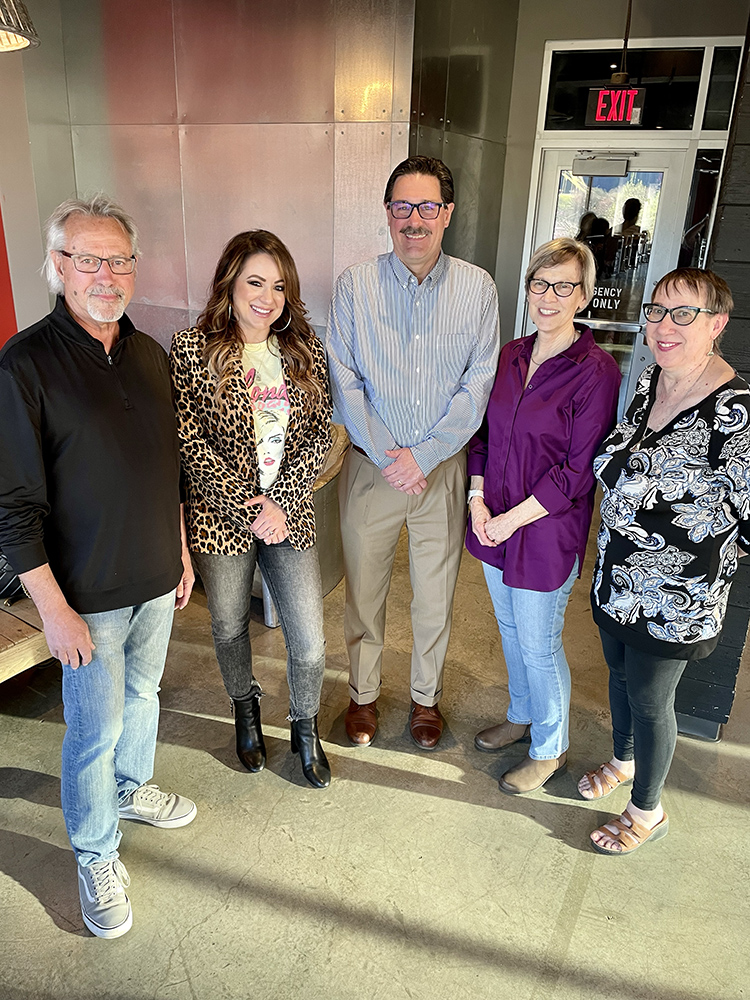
(531, 624)
(112, 716)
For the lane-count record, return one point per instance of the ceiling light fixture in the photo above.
(16, 28)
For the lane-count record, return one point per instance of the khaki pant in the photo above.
(372, 515)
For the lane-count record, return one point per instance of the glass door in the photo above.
(629, 209)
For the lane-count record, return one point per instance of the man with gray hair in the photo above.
(90, 519)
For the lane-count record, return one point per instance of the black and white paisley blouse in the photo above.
(676, 504)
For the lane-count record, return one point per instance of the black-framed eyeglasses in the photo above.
(681, 315)
(87, 263)
(427, 209)
(561, 288)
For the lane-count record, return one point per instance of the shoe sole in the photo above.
(509, 790)
(108, 932)
(659, 831)
(164, 824)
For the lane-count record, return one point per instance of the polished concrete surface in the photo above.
(412, 876)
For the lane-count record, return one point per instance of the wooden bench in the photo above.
(22, 642)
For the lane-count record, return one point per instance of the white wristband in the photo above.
(474, 493)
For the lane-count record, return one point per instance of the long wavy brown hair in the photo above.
(224, 340)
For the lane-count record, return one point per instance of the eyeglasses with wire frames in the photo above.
(681, 315)
(87, 263)
(427, 209)
(561, 288)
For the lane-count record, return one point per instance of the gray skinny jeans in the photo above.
(293, 577)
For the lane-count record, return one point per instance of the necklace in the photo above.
(671, 406)
(685, 391)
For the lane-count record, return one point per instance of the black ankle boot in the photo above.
(251, 749)
(306, 742)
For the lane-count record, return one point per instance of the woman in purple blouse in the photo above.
(531, 498)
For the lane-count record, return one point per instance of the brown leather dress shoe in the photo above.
(361, 723)
(531, 774)
(425, 725)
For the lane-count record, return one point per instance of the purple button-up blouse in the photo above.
(542, 441)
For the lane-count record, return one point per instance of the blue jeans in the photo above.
(531, 624)
(112, 716)
(293, 577)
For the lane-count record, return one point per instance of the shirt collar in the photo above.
(404, 276)
(68, 325)
(577, 351)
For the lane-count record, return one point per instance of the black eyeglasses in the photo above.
(89, 264)
(427, 209)
(561, 288)
(681, 315)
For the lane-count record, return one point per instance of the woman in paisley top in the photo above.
(676, 480)
(253, 413)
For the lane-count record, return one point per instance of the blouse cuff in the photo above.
(550, 496)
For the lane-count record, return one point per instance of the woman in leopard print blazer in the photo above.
(253, 413)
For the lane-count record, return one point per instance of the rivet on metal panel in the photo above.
(448, 121)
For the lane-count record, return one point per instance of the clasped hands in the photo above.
(403, 473)
(270, 525)
(490, 531)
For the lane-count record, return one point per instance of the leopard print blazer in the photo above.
(219, 456)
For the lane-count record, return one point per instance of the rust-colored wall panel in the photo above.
(246, 62)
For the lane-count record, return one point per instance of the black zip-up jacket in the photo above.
(89, 463)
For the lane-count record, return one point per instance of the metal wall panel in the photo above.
(431, 50)
(54, 170)
(139, 165)
(120, 62)
(480, 68)
(426, 142)
(365, 36)
(362, 166)
(276, 177)
(403, 60)
(160, 322)
(276, 61)
(477, 168)
(44, 70)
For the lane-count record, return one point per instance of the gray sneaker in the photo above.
(148, 804)
(104, 905)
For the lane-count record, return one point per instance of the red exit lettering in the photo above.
(615, 105)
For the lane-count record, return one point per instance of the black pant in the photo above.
(644, 727)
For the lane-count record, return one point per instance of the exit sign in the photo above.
(611, 107)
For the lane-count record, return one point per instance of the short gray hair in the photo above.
(98, 206)
(558, 252)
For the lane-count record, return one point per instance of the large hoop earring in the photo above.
(285, 326)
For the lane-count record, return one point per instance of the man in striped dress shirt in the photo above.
(413, 340)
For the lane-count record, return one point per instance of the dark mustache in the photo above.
(415, 231)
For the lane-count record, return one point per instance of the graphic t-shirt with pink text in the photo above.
(265, 381)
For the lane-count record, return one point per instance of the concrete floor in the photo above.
(411, 877)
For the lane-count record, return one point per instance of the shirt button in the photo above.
(417, 370)
(417, 337)
(419, 401)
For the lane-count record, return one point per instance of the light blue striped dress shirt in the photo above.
(412, 365)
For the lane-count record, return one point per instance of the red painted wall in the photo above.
(8, 326)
